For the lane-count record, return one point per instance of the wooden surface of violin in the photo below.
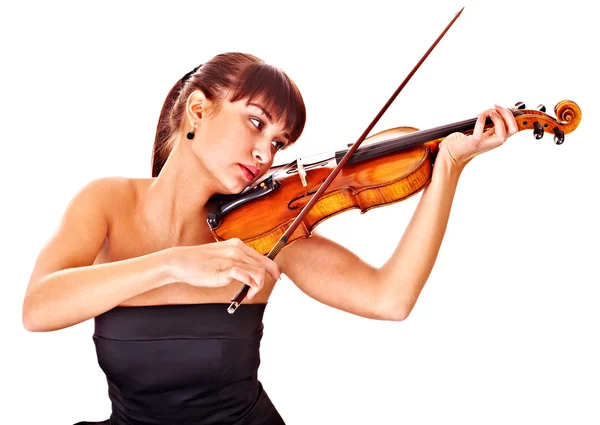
(389, 167)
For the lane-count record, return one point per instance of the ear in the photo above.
(196, 106)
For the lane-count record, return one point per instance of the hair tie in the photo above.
(189, 74)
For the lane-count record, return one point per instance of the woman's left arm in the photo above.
(333, 275)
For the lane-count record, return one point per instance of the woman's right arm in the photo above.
(65, 288)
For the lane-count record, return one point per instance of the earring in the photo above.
(190, 134)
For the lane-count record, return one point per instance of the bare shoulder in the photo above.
(111, 186)
(85, 224)
(112, 193)
(98, 203)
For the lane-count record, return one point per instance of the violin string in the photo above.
(294, 162)
(283, 170)
(405, 140)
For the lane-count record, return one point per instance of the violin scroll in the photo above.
(568, 117)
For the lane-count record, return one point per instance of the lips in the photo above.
(253, 170)
(249, 171)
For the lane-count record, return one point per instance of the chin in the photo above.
(235, 186)
(240, 181)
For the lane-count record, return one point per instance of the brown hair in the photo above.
(241, 75)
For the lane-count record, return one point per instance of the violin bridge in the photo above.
(301, 172)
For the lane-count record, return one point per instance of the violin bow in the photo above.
(241, 294)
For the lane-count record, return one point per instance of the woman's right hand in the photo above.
(218, 264)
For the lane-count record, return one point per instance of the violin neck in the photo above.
(410, 140)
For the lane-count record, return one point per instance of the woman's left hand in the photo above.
(461, 148)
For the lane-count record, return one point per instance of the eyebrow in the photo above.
(269, 117)
(264, 111)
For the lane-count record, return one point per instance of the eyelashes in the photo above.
(259, 125)
(278, 145)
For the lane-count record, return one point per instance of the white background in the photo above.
(506, 329)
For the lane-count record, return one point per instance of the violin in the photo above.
(394, 165)
(390, 167)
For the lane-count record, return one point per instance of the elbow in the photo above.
(32, 323)
(32, 327)
(396, 307)
(392, 312)
(40, 317)
(29, 311)
(29, 323)
(31, 319)
(398, 314)
(398, 298)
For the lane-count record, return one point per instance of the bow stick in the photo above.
(241, 294)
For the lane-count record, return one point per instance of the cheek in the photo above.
(227, 138)
(213, 141)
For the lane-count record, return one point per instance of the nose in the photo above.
(262, 152)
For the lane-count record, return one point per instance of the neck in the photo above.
(175, 203)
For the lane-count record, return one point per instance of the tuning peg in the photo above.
(538, 130)
(559, 136)
(520, 105)
(541, 108)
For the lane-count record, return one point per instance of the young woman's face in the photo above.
(237, 143)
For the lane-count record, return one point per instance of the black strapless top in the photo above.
(184, 364)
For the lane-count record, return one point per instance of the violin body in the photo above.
(389, 167)
(365, 185)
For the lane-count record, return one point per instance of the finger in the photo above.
(257, 274)
(252, 292)
(269, 265)
(489, 132)
(479, 126)
(261, 262)
(239, 274)
(258, 283)
(240, 251)
(247, 258)
(499, 127)
(509, 120)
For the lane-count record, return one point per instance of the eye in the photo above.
(257, 123)
(278, 145)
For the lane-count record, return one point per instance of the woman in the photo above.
(137, 255)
